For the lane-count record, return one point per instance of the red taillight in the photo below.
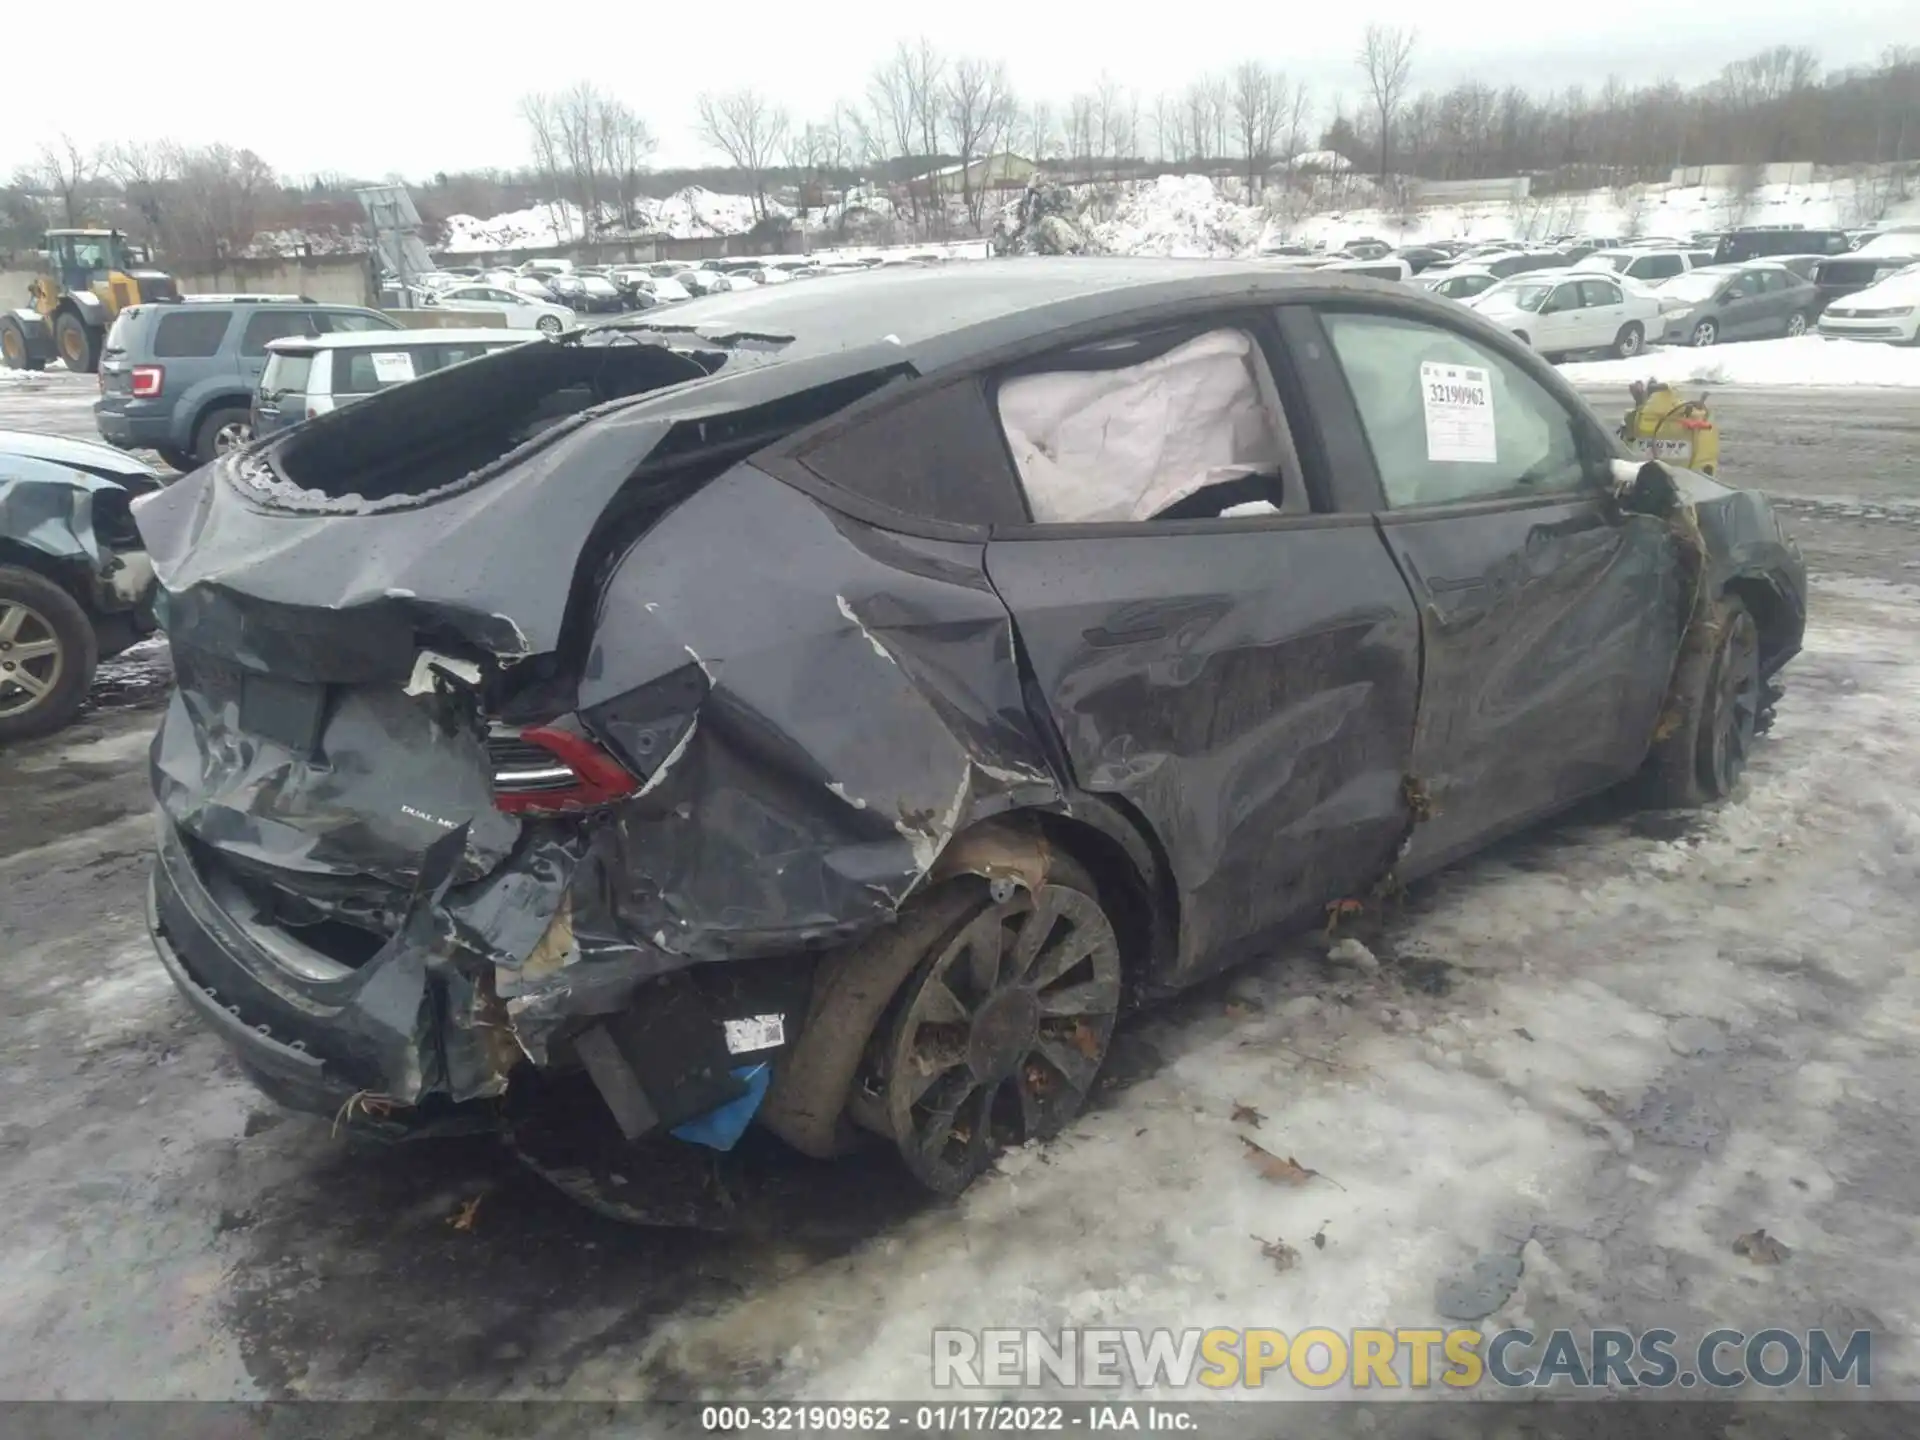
(545, 770)
(147, 380)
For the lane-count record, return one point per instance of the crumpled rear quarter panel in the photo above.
(864, 707)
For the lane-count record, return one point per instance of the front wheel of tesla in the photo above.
(998, 1035)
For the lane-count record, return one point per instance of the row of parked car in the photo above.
(1749, 284)
(552, 294)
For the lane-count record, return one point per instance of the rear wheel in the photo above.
(1796, 325)
(78, 345)
(1705, 333)
(220, 432)
(1630, 341)
(548, 324)
(998, 1035)
(47, 654)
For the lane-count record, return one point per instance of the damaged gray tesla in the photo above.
(827, 707)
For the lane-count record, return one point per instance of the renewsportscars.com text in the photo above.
(1378, 1359)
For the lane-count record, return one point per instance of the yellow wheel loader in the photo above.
(89, 279)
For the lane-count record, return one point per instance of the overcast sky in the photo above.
(367, 88)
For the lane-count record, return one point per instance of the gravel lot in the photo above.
(1652, 1035)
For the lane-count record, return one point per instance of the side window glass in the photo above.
(190, 333)
(349, 322)
(265, 325)
(1564, 297)
(1598, 292)
(935, 455)
(1450, 419)
(1151, 428)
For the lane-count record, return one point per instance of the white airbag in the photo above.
(1124, 444)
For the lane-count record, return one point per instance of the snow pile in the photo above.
(1810, 360)
(697, 211)
(1179, 217)
(538, 227)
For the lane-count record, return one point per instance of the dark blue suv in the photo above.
(179, 378)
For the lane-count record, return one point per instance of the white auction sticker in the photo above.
(391, 367)
(1459, 406)
(755, 1032)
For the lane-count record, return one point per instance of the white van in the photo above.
(308, 375)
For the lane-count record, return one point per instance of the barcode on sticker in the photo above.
(755, 1032)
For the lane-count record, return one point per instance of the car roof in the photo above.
(388, 339)
(910, 306)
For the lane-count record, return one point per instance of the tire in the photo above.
(181, 460)
(1707, 731)
(1705, 333)
(1796, 325)
(1631, 340)
(548, 325)
(221, 430)
(985, 1046)
(13, 347)
(78, 346)
(46, 641)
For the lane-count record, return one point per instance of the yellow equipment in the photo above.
(89, 279)
(1662, 426)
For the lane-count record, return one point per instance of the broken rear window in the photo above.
(420, 440)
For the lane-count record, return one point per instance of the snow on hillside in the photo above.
(1198, 216)
(1810, 360)
(686, 214)
(539, 227)
(697, 211)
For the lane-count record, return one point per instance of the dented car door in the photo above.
(1245, 682)
(1550, 621)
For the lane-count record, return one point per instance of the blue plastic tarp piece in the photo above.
(721, 1129)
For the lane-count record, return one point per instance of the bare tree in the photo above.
(1259, 102)
(1386, 60)
(1080, 134)
(980, 111)
(214, 214)
(749, 131)
(541, 113)
(1199, 107)
(625, 146)
(1037, 132)
(924, 72)
(64, 170)
(146, 174)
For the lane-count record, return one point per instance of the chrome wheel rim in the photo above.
(1704, 333)
(231, 436)
(548, 324)
(32, 659)
(1796, 326)
(1003, 1035)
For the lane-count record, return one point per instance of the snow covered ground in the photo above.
(1656, 1041)
(1809, 360)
